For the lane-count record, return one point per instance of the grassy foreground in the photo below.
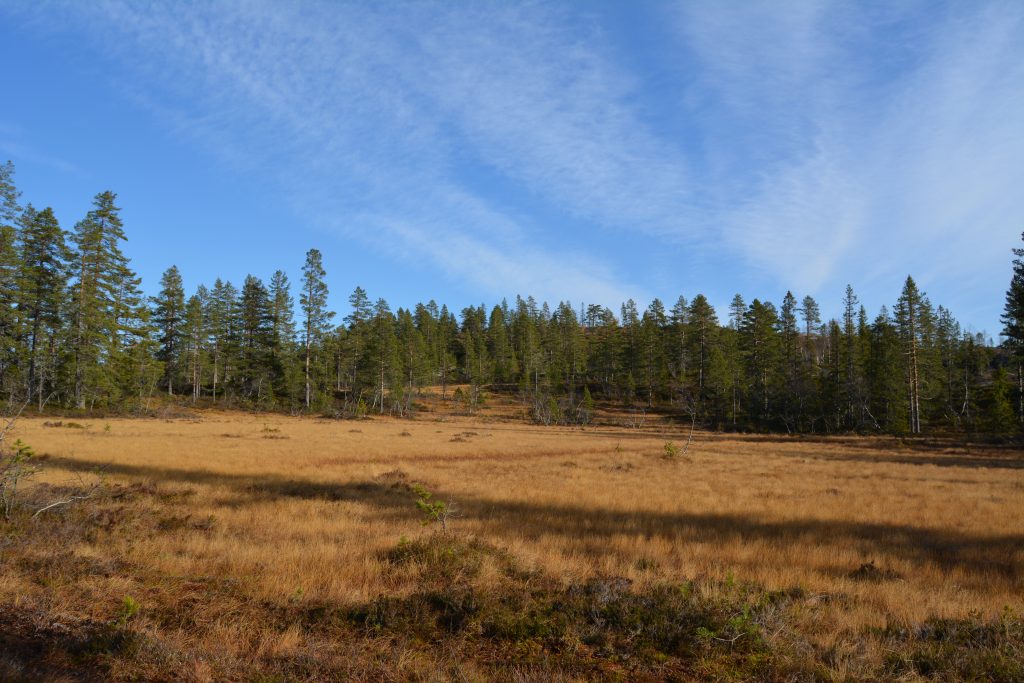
(238, 547)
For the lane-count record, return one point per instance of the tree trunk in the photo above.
(307, 370)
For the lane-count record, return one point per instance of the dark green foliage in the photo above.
(999, 417)
(915, 328)
(10, 216)
(434, 511)
(1013, 322)
(109, 334)
(74, 330)
(667, 627)
(726, 630)
(41, 297)
(257, 366)
(1013, 310)
(317, 317)
(169, 318)
(959, 649)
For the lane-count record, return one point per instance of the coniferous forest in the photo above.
(77, 332)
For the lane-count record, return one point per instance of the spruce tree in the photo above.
(885, 376)
(793, 397)
(196, 338)
(256, 371)
(811, 314)
(1013, 324)
(526, 340)
(850, 361)
(169, 317)
(499, 347)
(102, 285)
(220, 315)
(358, 334)
(10, 214)
(288, 377)
(737, 309)
(948, 342)
(999, 415)
(973, 360)
(425, 317)
(314, 306)
(675, 345)
(41, 285)
(630, 329)
(282, 306)
(759, 343)
(914, 323)
(476, 360)
(447, 335)
(568, 350)
(603, 355)
(651, 350)
(384, 353)
(133, 350)
(830, 378)
(413, 351)
(72, 324)
(702, 322)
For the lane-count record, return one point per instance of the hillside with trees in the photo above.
(76, 332)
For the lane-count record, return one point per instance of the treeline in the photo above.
(76, 331)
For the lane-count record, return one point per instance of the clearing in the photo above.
(227, 546)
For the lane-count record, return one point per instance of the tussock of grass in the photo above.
(65, 425)
(869, 572)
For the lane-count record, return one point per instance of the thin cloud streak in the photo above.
(15, 149)
(917, 172)
(375, 114)
(811, 145)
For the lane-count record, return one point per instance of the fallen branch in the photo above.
(68, 501)
(85, 494)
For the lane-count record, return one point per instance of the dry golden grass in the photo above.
(280, 511)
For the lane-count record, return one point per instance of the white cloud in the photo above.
(13, 148)
(370, 111)
(824, 142)
(885, 140)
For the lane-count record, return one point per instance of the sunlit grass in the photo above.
(220, 515)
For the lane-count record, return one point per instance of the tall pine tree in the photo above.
(1013, 324)
(102, 279)
(41, 285)
(169, 317)
(314, 308)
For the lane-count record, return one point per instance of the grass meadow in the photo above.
(233, 546)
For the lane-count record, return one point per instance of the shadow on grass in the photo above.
(1002, 554)
(250, 489)
(938, 451)
(1012, 461)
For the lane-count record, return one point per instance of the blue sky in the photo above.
(583, 151)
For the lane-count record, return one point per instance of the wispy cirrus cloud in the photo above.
(14, 146)
(538, 148)
(882, 139)
(363, 115)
